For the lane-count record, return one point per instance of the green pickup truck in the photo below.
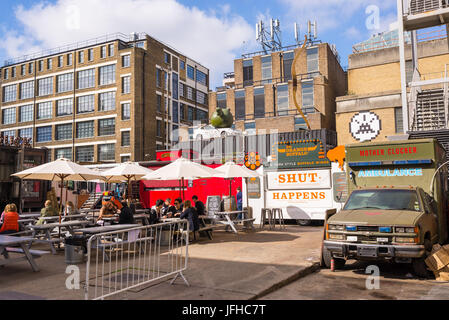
(397, 205)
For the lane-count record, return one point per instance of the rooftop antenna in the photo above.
(269, 39)
(296, 33)
(312, 30)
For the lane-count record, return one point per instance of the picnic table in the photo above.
(66, 217)
(139, 211)
(229, 219)
(26, 222)
(29, 215)
(45, 231)
(9, 245)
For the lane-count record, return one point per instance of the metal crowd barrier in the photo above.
(126, 259)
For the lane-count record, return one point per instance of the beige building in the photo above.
(110, 99)
(372, 110)
(259, 92)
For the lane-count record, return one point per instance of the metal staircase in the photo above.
(92, 201)
(430, 112)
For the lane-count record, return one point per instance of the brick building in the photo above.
(259, 92)
(110, 99)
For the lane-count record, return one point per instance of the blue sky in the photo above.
(210, 31)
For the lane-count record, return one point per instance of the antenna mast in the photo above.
(269, 39)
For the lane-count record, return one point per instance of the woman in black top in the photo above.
(126, 214)
(190, 214)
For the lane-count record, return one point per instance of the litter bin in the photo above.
(75, 248)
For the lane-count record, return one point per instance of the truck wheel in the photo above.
(419, 266)
(339, 263)
(304, 222)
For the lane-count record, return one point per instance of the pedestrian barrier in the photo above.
(126, 259)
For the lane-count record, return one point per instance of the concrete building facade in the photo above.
(259, 92)
(111, 99)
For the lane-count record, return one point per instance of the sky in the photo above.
(212, 32)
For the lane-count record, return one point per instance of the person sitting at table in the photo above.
(9, 221)
(70, 209)
(108, 210)
(199, 206)
(47, 211)
(126, 215)
(179, 207)
(156, 212)
(190, 214)
(168, 209)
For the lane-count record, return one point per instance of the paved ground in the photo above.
(230, 266)
(396, 282)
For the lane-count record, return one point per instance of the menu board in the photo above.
(340, 186)
(213, 204)
(253, 188)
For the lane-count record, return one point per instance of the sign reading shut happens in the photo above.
(299, 154)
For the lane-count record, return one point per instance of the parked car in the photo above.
(209, 132)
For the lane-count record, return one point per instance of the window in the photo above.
(13, 72)
(201, 115)
(409, 71)
(85, 129)
(126, 61)
(63, 132)
(175, 134)
(200, 97)
(6, 74)
(64, 82)
(248, 72)
(190, 72)
(190, 114)
(158, 78)
(26, 113)
(240, 104)
(106, 127)
(159, 128)
(312, 60)
(159, 103)
(250, 127)
(65, 153)
(175, 112)
(182, 65)
(282, 100)
(111, 50)
(107, 101)
(60, 61)
(40, 65)
(81, 57)
(259, 102)
(45, 86)
(107, 75)
(103, 52)
(167, 57)
(126, 85)
(307, 97)
(126, 138)
(266, 70)
(85, 154)
(23, 70)
(64, 107)
(10, 93)
(85, 104)
(9, 116)
(27, 90)
(125, 159)
(69, 59)
(26, 133)
(90, 54)
(181, 89)
(126, 111)
(167, 81)
(399, 125)
(9, 133)
(86, 79)
(44, 110)
(182, 111)
(300, 124)
(43, 134)
(106, 152)
(221, 100)
(189, 93)
(49, 64)
(31, 68)
(175, 92)
(201, 77)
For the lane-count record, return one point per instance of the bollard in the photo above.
(332, 265)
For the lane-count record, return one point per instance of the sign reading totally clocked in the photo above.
(299, 154)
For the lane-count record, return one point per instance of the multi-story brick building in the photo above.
(110, 99)
(259, 92)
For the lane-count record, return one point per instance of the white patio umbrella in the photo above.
(231, 170)
(126, 171)
(181, 169)
(59, 170)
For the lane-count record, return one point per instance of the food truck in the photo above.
(300, 180)
(397, 205)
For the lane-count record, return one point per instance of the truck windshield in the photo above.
(383, 200)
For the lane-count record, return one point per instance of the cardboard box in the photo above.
(438, 260)
(436, 247)
(443, 274)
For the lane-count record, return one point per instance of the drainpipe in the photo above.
(75, 59)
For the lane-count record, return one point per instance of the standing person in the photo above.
(199, 206)
(9, 221)
(190, 214)
(239, 198)
(126, 214)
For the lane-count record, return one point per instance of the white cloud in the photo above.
(212, 38)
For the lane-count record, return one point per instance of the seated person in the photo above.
(9, 221)
(108, 210)
(156, 212)
(47, 211)
(199, 206)
(178, 207)
(190, 214)
(168, 210)
(70, 209)
(126, 215)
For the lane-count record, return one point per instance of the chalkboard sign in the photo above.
(340, 187)
(213, 204)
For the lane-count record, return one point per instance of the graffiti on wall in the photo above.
(365, 126)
